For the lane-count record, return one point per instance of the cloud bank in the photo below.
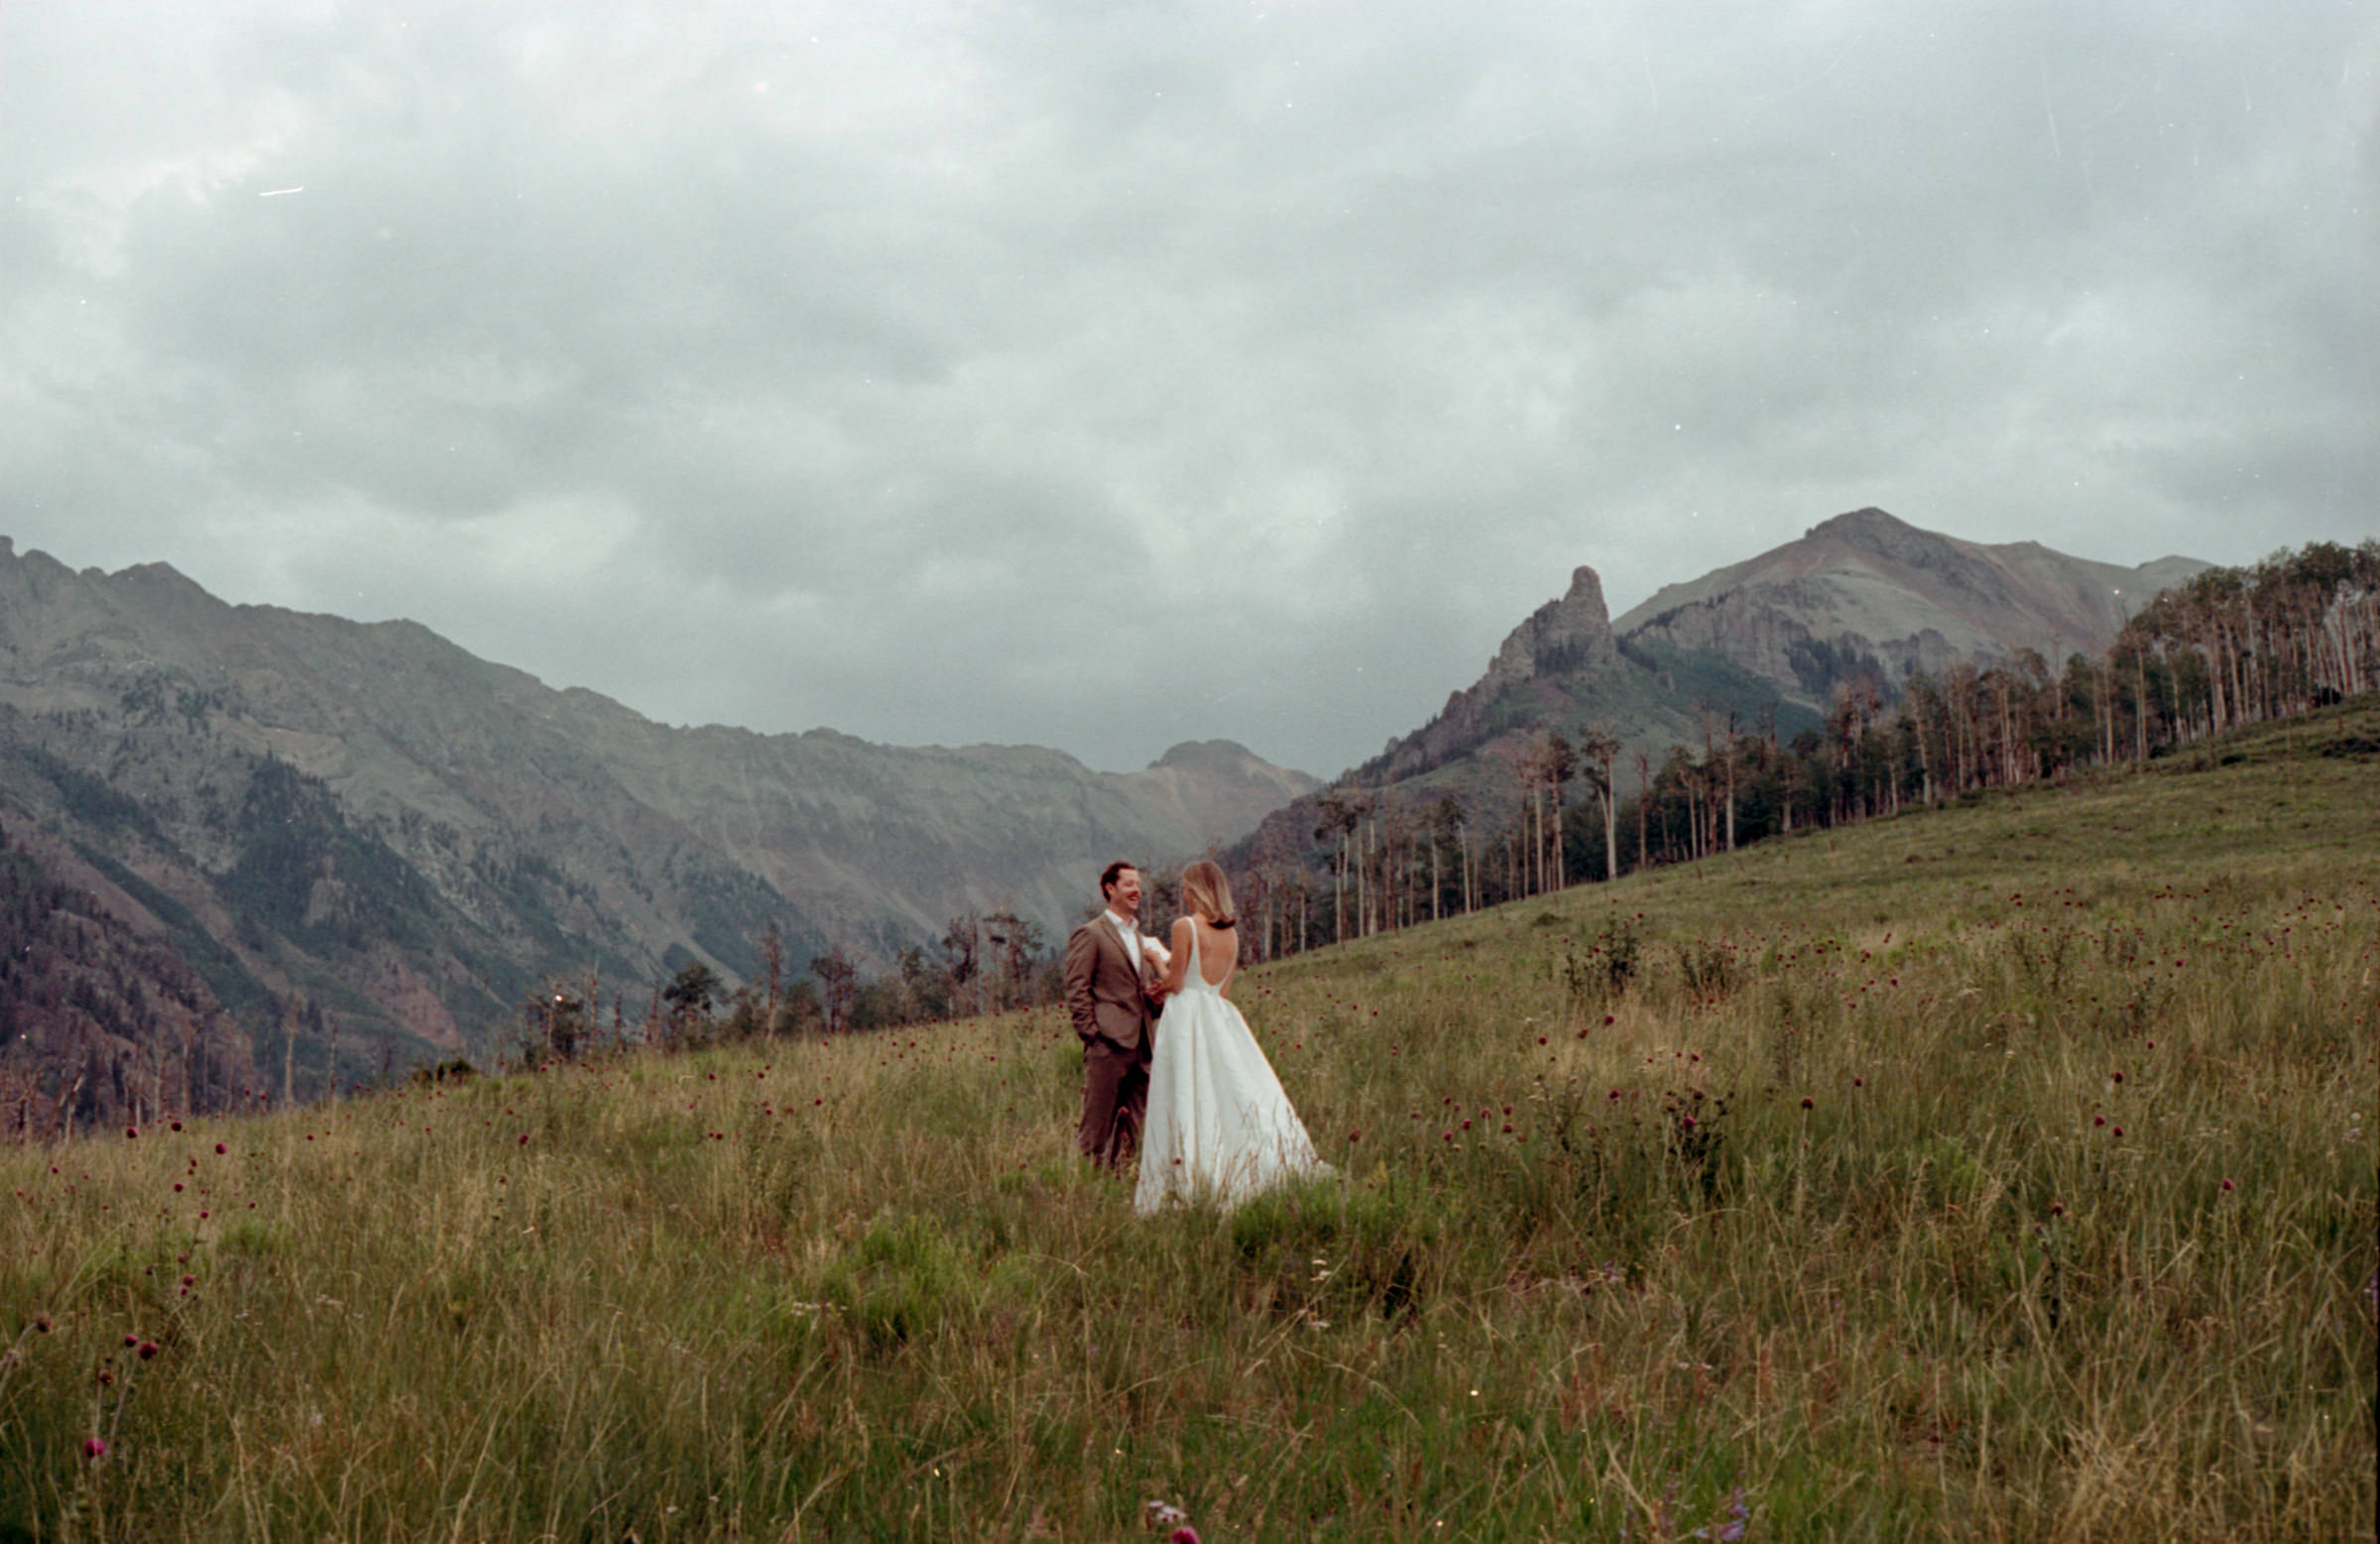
(1107, 377)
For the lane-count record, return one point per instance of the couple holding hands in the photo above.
(1169, 1067)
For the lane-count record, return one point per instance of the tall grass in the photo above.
(2002, 1172)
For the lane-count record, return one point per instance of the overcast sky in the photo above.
(1107, 375)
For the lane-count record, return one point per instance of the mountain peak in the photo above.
(163, 576)
(1874, 532)
(1867, 520)
(1204, 753)
(1866, 591)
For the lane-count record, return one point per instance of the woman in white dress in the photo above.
(1218, 1122)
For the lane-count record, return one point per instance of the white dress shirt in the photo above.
(1129, 933)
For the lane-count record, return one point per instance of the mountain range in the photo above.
(368, 821)
(235, 834)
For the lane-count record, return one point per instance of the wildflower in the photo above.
(2227, 1186)
(41, 1322)
(220, 1149)
(94, 1448)
(131, 1131)
(148, 1350)
(1809, 1102)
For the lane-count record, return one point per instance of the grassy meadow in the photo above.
(2006, 1171)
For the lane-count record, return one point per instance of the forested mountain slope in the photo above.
(1760, 646)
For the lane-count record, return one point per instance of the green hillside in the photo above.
(2002, 1171)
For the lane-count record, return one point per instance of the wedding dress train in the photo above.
(1219, 1121)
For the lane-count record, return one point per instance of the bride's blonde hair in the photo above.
(1206, 892)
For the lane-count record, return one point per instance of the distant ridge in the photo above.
(365, 818)
(1869, 587)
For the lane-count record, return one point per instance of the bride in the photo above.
(1218, 1122)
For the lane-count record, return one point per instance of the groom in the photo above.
(1109, 993)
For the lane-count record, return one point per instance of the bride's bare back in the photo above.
(1216, 947)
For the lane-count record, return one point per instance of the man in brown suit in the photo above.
(1108, 993)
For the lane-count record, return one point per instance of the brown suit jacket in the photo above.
(1107, 991)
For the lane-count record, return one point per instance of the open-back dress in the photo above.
(1218, 1122)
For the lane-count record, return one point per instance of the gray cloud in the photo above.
(1107, 377)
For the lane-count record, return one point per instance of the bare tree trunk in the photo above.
(2140, 705)
(1644, 797)
(1339, 893)
(1731, 772)
(1365, 888)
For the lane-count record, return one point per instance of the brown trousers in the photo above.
(1115, 1100)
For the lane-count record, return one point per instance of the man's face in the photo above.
(1123, 896)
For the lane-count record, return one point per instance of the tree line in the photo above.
(983, 963)
(991, 962)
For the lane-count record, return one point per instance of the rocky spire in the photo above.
(1563, 637)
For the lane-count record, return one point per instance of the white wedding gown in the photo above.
(1219, 1121)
